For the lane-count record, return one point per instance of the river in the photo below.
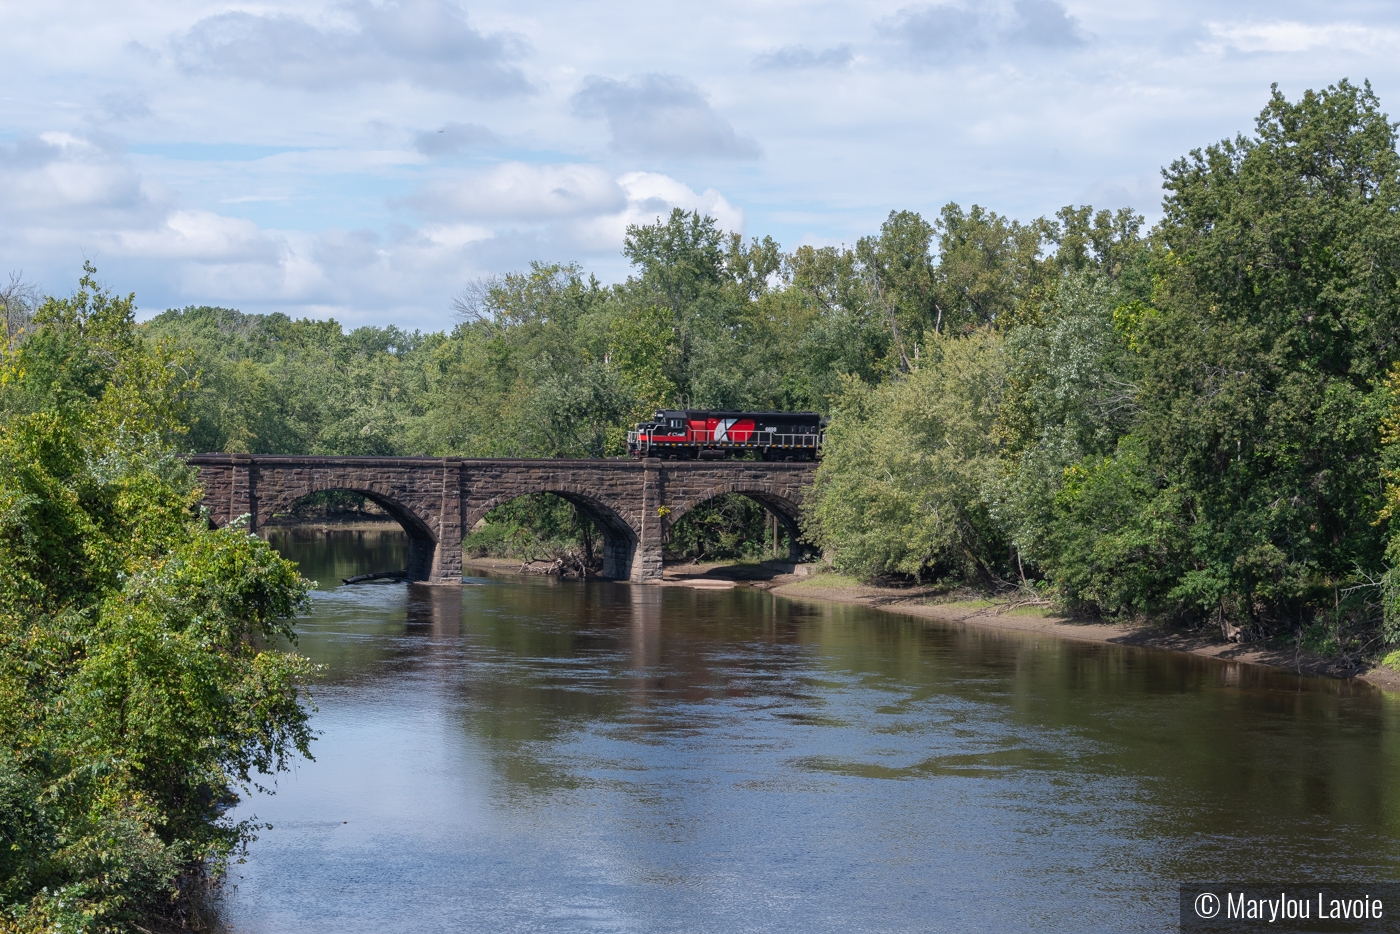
(522, 755)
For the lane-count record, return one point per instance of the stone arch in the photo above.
(620, 539)
(422, 541)
(778, 501)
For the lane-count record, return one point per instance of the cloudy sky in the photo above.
(366, 159)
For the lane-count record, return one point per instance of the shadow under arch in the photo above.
(422, 543)
(787, 511)
(619, 538)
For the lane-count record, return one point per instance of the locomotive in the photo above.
(710, 435)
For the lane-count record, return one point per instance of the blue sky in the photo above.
(366, 160)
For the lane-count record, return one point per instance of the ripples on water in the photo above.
(523, 755)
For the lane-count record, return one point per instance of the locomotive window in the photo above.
(675, 423)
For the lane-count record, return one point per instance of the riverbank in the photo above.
(333, 524)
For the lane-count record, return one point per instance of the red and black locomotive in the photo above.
(701, 433)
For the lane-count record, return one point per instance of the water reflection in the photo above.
(519, 754)
(328, 555)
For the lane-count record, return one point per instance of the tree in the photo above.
(900, 279)
(18, 299)
(899, 490)
(681, 268)
(1275, 315)
(988, 265)
(1069, 399)
(138, 690)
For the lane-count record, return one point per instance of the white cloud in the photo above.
(651, 197)
(578, 207)
(453, 236)
(200, 236)
(69, 193)
(1287, 36)
(798, 57)
(453, 138)
(56, 174)
(382, 151)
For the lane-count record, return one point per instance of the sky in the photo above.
(367, 160)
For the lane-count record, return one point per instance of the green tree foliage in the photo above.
(538, 527)
(134, 695)
(900, 488)
(1070, 400)
(1191, 420)
(1263, 352)
(988, 265)
(726, 528)
(271, 385)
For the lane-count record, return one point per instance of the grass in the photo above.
(826, 582)
(997, 607)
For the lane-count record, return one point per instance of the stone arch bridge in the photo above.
(437, 500)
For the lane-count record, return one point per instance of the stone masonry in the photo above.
(438, 500)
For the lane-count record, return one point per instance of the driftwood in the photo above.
(565, 565)
(380, 576)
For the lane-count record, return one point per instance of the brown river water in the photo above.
(522, 755)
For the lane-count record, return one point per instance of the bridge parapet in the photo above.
(438, 500)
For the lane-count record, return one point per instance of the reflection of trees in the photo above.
(1128, 743)
(1146, 744)
(329, 555)
(647, 664)
(1203, 750)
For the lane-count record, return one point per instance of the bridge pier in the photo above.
(647, 558)
(446, 566)
(438, 500)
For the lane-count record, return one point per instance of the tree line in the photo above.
(1194, 419)
(1197, 420)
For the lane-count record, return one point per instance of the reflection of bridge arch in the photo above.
(777, 501)
(422, 543)
(437, 500)
(619, 538)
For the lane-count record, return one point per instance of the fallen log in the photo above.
(379, 576)
(565, 565)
